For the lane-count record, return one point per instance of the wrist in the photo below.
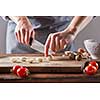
(71, 29)
(18, 19)
(22, 20)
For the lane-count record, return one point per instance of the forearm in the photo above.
(17, 19)
(75, 23)
(77, 20)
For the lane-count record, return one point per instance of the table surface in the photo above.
(50, 77)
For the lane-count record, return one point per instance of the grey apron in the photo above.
(43, 25)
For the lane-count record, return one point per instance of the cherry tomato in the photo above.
(15, 68)
(90, 70)
(23, 72)
(94, 63)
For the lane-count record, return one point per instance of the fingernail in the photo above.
(50, 52)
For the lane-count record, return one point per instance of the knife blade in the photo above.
(38, 46)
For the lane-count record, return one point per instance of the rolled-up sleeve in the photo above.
(6, 18)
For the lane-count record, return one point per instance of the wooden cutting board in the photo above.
(55, 66)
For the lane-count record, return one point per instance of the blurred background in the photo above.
(3, 27)
(91, 31)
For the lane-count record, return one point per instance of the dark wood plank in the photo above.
(51, 78)
(47, 77)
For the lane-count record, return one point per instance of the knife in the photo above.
(38, 46)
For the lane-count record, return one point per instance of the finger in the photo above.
(33, 34)
(52, 43)
(27, 37)
(57, 43)
(65, 43)
(23, 32)
(62, 43)
(47, 45)
(18, 36)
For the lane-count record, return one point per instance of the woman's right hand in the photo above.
(24, 30)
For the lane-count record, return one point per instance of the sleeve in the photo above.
(6, 18)
(94, 17)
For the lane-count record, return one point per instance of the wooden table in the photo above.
(43, 77)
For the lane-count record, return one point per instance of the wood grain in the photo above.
(56, 66)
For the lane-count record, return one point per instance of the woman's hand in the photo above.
(57, 41)
(24, 30)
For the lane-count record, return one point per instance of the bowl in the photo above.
(93, 48)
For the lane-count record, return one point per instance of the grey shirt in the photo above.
(41, 22)
(43, 25)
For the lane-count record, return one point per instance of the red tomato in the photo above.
(15, 68)
(23, 72)
(94, 63)
(90, 70)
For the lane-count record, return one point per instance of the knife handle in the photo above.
(31, 40)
